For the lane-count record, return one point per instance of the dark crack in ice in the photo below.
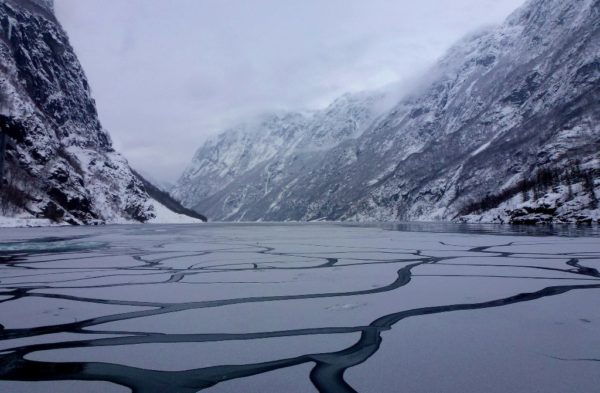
(79, 269)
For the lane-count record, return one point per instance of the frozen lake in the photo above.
(299, 308)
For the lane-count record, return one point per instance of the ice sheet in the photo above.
(297, 307)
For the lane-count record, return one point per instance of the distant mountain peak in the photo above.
(503, 110)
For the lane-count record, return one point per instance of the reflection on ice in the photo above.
(47, 245)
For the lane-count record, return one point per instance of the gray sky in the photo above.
(167, 73)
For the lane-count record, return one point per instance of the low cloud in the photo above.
(167, 74)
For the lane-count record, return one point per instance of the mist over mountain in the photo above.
(503, 129)
(256, 161)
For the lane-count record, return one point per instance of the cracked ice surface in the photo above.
(299, 308)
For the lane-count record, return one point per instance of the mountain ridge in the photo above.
(501, 105)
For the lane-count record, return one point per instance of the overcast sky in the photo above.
(167, 73)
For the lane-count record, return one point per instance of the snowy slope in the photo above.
(164, 215)
(501, 106)
(241, 172)
(161, 215)
(162, 200)
(60, 161)
(24, 220)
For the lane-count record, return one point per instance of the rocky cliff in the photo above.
(60, 163)
(504, 107)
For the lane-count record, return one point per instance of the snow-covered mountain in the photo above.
(504, 107)
(60, 163)
(251, 164)
(163, 202)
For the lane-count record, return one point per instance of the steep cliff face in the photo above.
(240, 174)
(60, 163)
(500, 108)
(509, 103)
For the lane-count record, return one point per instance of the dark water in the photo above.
(568, 230)
(341, 301)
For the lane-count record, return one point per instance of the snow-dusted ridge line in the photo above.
(48, 4)
(501, 105)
